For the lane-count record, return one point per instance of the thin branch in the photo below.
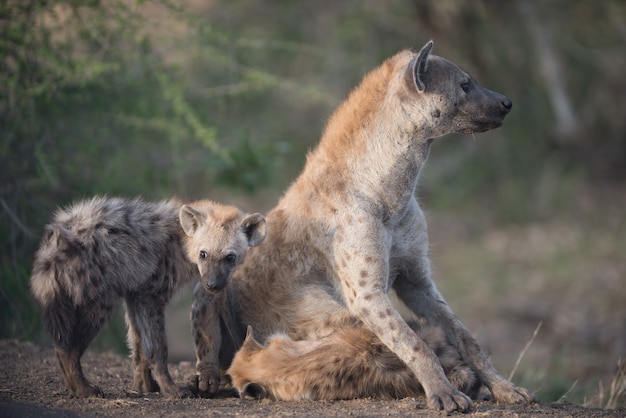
(16, 220)
(521, 355)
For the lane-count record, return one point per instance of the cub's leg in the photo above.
(146, 323)
(74, 330)
(143, 382)
(207, 335)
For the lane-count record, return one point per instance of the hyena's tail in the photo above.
(48, 283)
(46, 280)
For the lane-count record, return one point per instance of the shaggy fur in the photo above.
(103, 249)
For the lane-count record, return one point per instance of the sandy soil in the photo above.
(31, 386)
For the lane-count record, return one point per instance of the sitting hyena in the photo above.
(349, 230)
(99, 250)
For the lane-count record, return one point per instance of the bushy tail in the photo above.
(58, 311)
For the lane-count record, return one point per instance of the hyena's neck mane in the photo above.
(348, 127)
(372, 141)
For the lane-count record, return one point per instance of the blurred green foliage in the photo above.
(195, 98)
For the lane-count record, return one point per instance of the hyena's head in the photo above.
(447, 97)
(218, 237)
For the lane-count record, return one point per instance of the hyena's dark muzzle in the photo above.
(487, 109)
(215, 278)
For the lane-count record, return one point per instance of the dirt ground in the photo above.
(31, 386)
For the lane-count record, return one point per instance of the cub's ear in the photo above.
(418, 66)
(190, 219)
(255, 228)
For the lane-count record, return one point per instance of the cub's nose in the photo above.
(507, 104)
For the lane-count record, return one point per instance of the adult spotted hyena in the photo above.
(99, 250)
(349, 229)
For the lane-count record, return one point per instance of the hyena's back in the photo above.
(96, 251)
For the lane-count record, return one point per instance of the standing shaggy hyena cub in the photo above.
(103, 249)
(350, 229)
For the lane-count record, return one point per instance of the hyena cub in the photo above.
(102, 249)
(348, 364)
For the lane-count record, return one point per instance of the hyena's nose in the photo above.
(507, 104)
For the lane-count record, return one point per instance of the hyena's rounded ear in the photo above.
(418, 66)
(253, 390)
(190, 219)
(255, 228)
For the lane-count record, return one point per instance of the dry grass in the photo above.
(615, 395)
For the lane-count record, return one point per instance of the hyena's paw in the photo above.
(145, 383)
(463, 379)
(177, 392)
(204, 385)
(449, 400)
(87, 391)
(506, 392)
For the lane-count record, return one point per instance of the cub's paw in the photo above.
(145, 383)
(87, 391)
(204, 385)
(177, 392)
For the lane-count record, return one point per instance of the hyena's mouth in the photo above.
(483, 127)
(214, 288)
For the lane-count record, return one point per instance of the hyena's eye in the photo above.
(465, 86)
(230, 258)
(203, 255)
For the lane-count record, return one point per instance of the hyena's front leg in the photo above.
(207, 336)
(429, 304)
(147, 317)
(364, 282)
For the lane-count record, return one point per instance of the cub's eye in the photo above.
(203, 255)
(230, 258)
(465, 86)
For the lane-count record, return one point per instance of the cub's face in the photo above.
(218, 239)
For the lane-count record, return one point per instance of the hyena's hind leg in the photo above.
(143, 382)
(146, 333)
(458, 372)
(73, 331)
